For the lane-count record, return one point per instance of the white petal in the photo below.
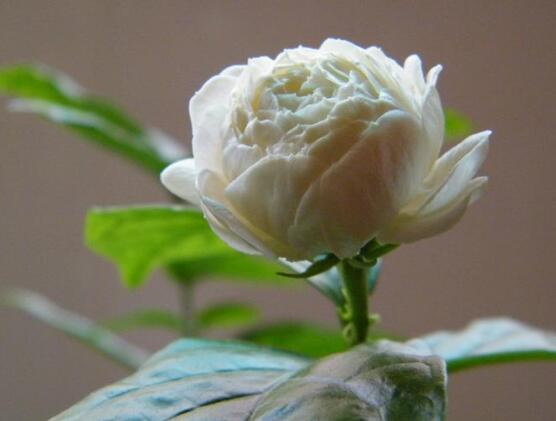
(456, 168)
(222, 230)
(433, 123)
(208, 110)
(414, 71)
(232, 227)
(408, 228)
(268, 193)
(344, 48)
(364, 189)
(179, 178)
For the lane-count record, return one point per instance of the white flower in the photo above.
(321, 150)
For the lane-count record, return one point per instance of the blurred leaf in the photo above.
(457, 126)
(140, 239)
(57, 98)
(492, 341)
(329, 282)
(145, 319)
(78, 327)
(227, 315)
(306, 339)
(303, 339)
(202, 380)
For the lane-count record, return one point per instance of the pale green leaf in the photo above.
(202, 380)
(59, 99)
(141, 239)
(78, 327)
(492, 341)
(152, 319)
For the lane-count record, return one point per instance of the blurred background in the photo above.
(499, 66)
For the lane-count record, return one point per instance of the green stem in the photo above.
(355, 313)
(187, 308)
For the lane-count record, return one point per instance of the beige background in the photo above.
(500, 66)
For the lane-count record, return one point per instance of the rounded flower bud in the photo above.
(321, 150)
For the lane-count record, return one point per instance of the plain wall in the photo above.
(151, 56)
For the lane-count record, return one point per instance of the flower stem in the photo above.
(187, 309)
(355, 312)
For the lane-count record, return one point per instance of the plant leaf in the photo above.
(299, 338)
(202, 380)
(57, 98)
(305, 339)
(140, 239)
(227, 315)
(78, 327)
(153, 318)
(329, 282)
(457, 126)
(492, 341)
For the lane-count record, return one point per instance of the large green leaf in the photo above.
(56, 97)
(140, 239)
(202, 380)
(78, 327)
(492, 341)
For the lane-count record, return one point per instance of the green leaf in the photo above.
(202, 380)
(320, 265)
(157, 319)
(299, 338)
(227, 315)
(329, 282)
(492, 341)
(305, 339)
(57, 98)
(77, 327)
(140, 239)
(457, 126)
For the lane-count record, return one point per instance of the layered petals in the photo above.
(446, 193)
(322, 150)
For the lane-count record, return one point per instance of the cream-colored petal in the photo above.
(212, 187)
(432, 116)
(268, 193)
(451, 173)
(179, 178)
(343, 48)
(364, 189)
(238, 232)
(222, 230)
(209, 109)
(407, 228)
(414, 71)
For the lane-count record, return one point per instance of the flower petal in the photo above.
(232, 228)
(407, 228)
(365, 188)
(179, 178)
(208, 110)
